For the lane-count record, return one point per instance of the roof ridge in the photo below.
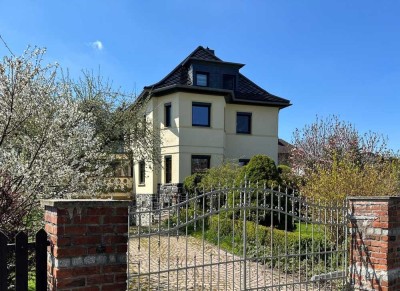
(182, 63)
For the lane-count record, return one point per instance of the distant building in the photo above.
(284, 150)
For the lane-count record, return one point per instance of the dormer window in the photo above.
(202, 79)
(228, 82)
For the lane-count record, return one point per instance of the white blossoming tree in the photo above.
(55, 134)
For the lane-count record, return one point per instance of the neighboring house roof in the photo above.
(245, 92)
(284, 147)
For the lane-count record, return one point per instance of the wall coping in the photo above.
(67, 203)
(372, 198)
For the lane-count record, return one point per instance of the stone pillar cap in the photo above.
(66, 203)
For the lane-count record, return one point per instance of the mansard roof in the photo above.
(246, 91)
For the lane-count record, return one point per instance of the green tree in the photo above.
(260, 169)
(334, 160)
(191, 183)
(346, 178)
(288, 178)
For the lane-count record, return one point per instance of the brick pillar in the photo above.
(375, 243)
(88, 244)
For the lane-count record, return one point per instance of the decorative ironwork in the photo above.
(244, 238)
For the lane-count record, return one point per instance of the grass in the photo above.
(31, 281)
(31, 285)
(308, 228)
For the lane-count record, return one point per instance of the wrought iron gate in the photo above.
(246, 238)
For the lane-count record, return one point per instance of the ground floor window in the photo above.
(200, 163)
(121, 168)
(168, 169)
(243, 162)
(142, 172)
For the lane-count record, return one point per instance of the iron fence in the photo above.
(245, 238)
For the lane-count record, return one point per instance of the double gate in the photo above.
(246, 238)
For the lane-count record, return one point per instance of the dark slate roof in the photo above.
(246, 91)
(284, 147)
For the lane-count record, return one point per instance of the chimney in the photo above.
(210, 51)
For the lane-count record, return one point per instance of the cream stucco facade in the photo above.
(213, 112)
(181, 140)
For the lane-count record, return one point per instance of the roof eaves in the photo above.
(217, 91)
(281, 105)
(239, 65)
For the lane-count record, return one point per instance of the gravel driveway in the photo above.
(187, 263)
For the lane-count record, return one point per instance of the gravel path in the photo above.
(178, 263)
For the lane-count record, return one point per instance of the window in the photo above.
(121, 168)
(202, 79)
(243, 162)
(142, 172)
(200, 163)
(167, 115)
(228, 82)
(201, 114)
(243, 122)
(168, 169)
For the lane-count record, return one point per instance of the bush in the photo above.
(261, 169)
(288, 178)
(187, 221)
(229, 234)
(223, 175)
(191, 182)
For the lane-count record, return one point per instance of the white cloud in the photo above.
(98, 45)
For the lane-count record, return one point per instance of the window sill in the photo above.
(141, 185)
(200, 125)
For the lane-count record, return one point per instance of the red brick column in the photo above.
(375, 243)
(88, 244)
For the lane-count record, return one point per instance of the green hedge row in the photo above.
(289, 250)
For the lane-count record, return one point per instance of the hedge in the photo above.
(287, 251)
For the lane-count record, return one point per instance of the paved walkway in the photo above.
(187, 263)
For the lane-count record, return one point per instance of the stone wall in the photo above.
(171, 193)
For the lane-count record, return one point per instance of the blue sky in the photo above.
(327, 57)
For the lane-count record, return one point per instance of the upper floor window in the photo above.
(228, 82)
(201, 114)
(167, 122)
(243, 122)
(200, 163)
(202, 79)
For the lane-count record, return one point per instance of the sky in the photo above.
(327, 57)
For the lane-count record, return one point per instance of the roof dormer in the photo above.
(203, 72)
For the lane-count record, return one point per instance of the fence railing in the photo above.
(20, 248)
